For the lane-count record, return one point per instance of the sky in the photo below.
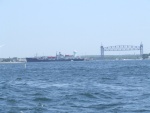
(44, 27)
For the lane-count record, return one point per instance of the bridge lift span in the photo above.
(121, 48)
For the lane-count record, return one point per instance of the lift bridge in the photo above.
(122, 48)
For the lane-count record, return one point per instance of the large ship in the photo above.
(58, 57)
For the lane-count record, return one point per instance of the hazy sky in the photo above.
(28, 27)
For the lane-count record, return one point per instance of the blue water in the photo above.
(75, 87)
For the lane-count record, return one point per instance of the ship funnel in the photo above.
(74, 53)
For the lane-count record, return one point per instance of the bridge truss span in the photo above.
(122, 48)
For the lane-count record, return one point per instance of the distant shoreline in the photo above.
(11, 62)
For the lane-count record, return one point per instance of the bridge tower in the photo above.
(141, 49)
(102, 51)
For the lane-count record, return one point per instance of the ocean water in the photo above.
(76, 87)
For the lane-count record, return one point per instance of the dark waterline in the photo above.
(76, 87)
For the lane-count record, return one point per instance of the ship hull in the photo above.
(50, 60)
